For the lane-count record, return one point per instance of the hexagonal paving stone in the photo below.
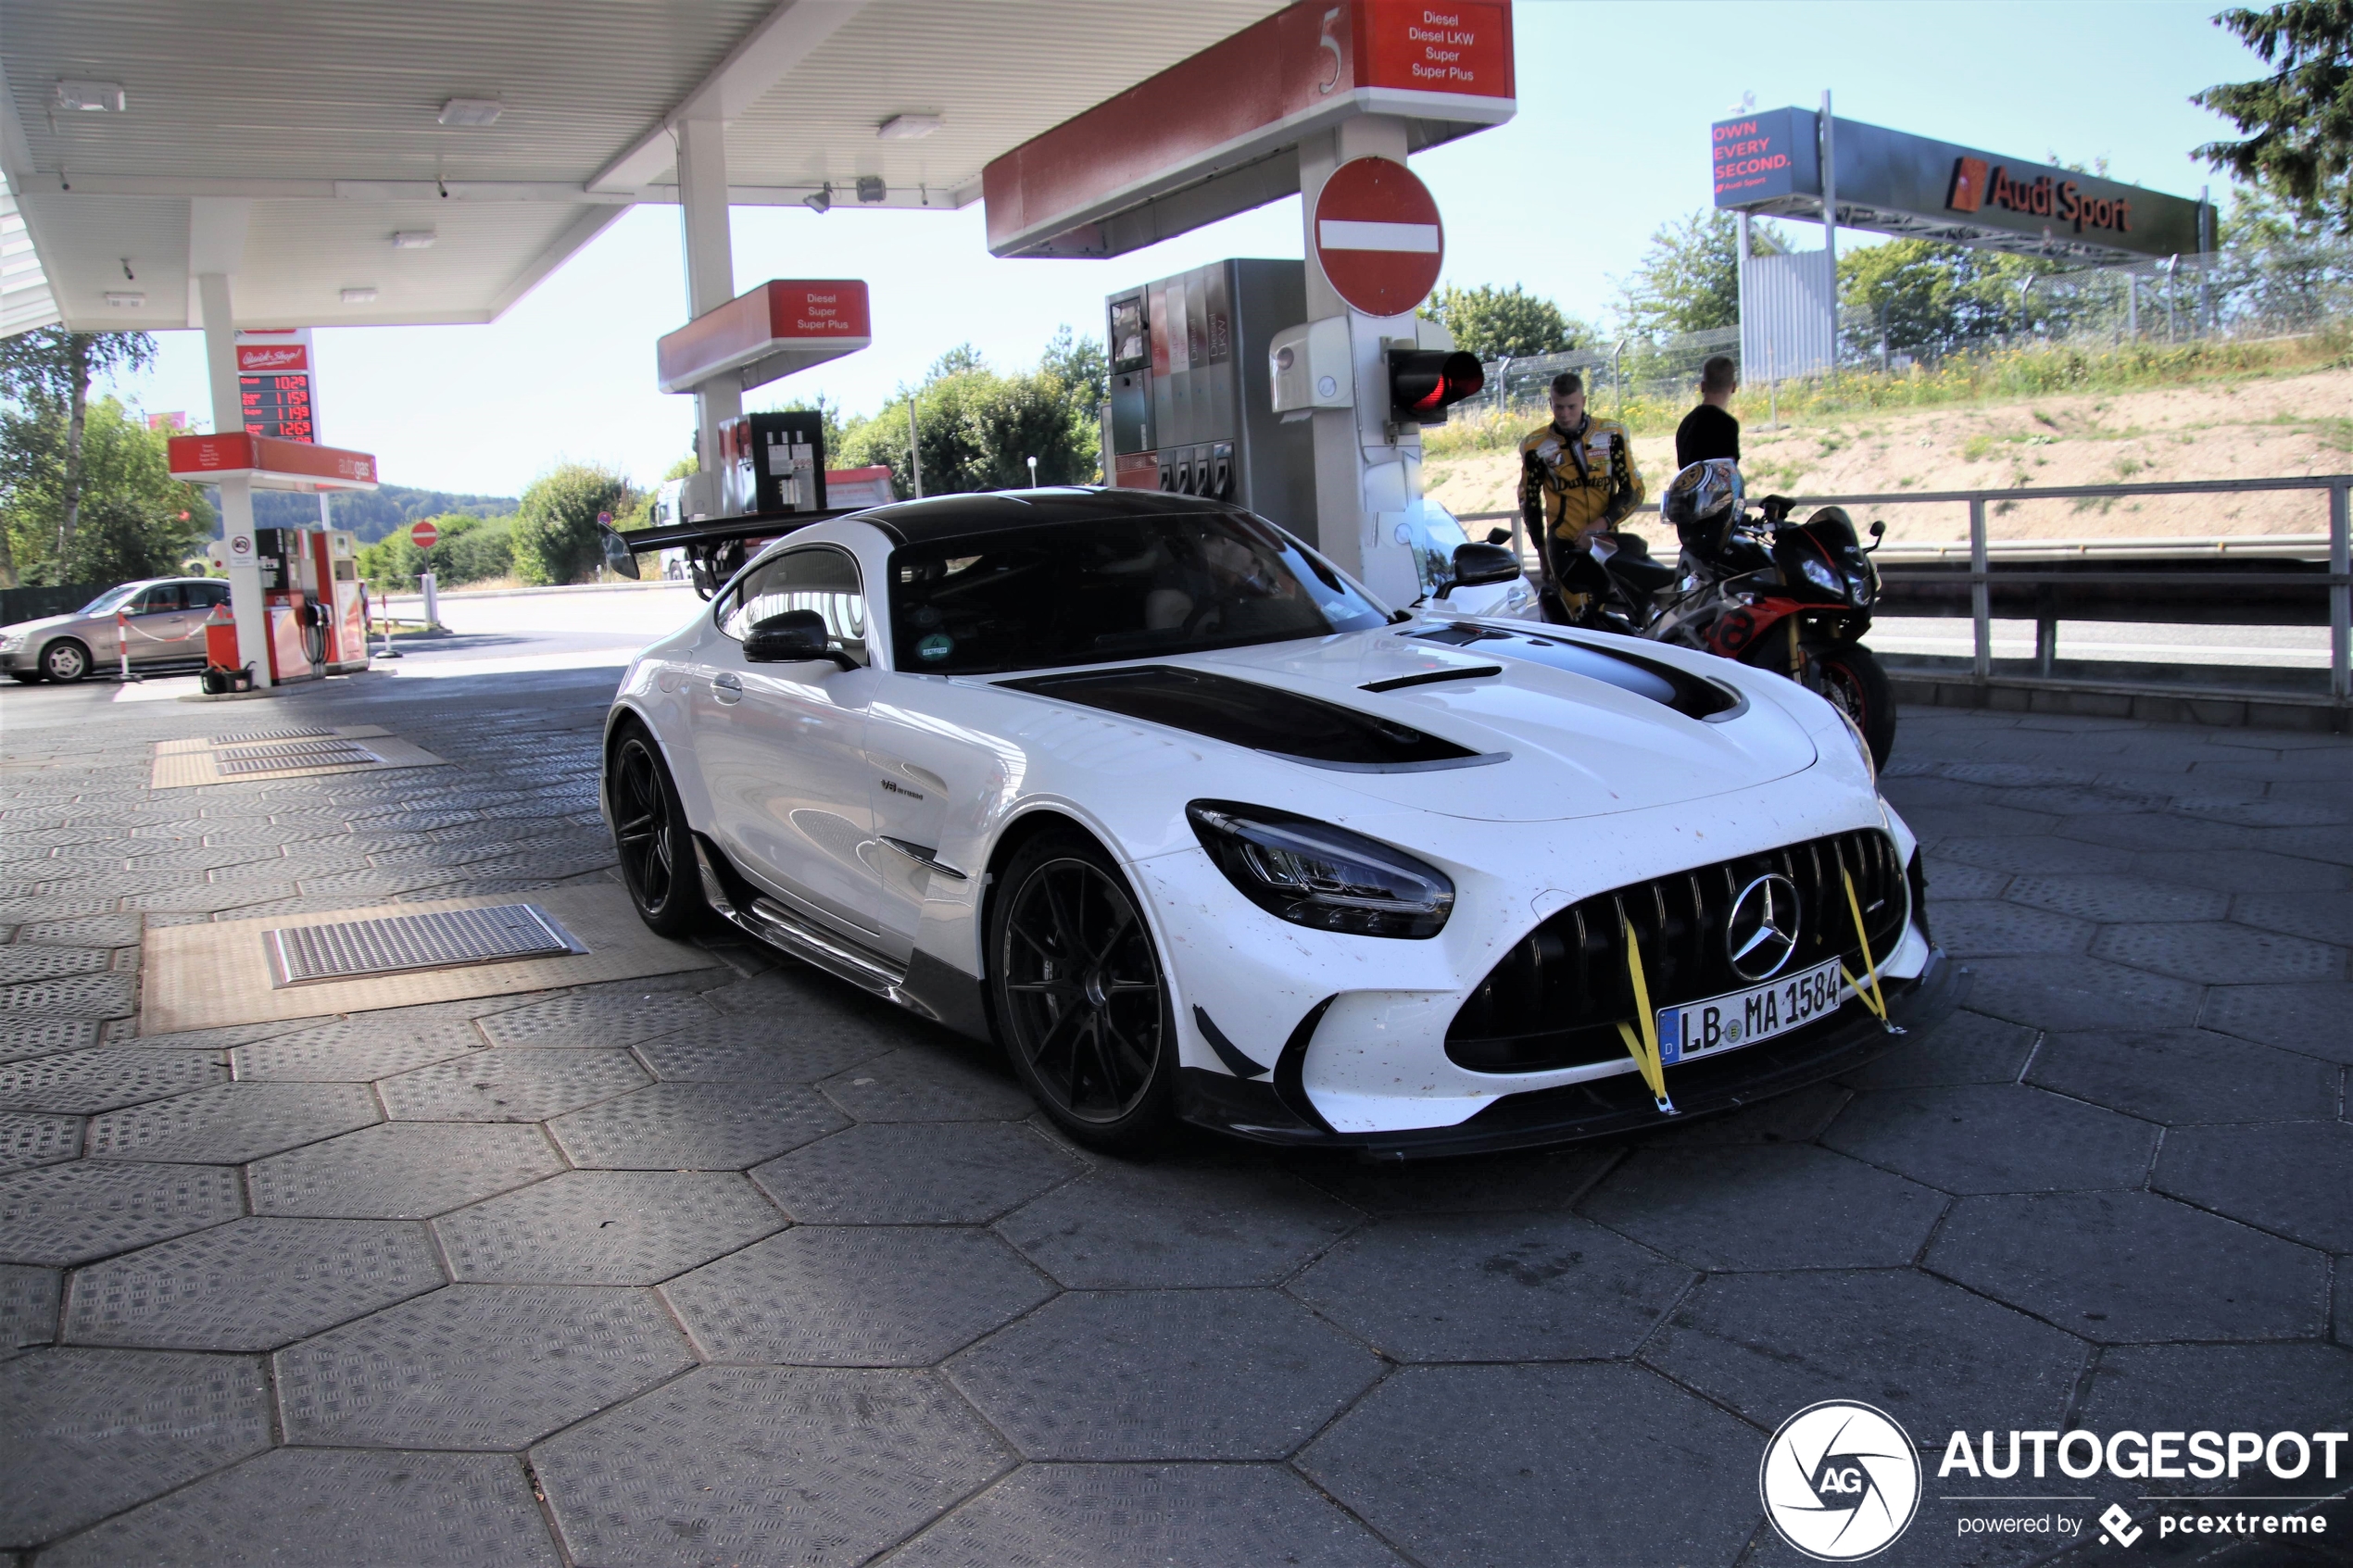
(2307, 1019)
(80, 1083)
(1799, 1116)
(2080, 993)
(511, 1085)
(2180, 1076)
(2105, 899)
(477, 1366)
(1470, 1467)
(756, 1464)
(22, 1037)
(21, 963)
(2219, 953)
(402, 1170)
(2266, 1388)
(1471, 1184)
(929, 1083)
(2254, 870)
(1144, 1515)
(2131, 1267)
(865, 1296)
(26, 1140)
(2038, 854)
(28, 1307)
(1973, 928)
(232, 1123)
(599, 1018)
(1930, 1354)
(1994, 1137)
(1164, 1375)
(606, 1228)
(2294, 1178)
(70, 1213)
(2162, 833)
(359, 1049)
(88, 1432)
(1765, 1207)
(1170, 1225)
(250, 1284)
(2330, 842)
(1497, 1288)
(2323, 916)
(737, 1049)
(696, 1126)
(1967, 1048)
(1953, 879)
(915, 1174)
(299, 1505)
(92, 931)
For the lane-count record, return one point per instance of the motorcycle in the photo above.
(1793, 597)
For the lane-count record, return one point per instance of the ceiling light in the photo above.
(908, 127)
(414, 239)
(871, 188)
(471, 111)
(359, 297)
(93, 96)
(820, 200)
(125, 300)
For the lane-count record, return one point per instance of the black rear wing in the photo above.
(716, 548)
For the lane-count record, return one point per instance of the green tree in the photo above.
(134, 519)
(555, 532)
(1078, 363)
(1498, 323)
(2299, 118)
(49, 369)
(1687, 280)
(978, 427)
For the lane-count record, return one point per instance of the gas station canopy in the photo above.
(359, 165)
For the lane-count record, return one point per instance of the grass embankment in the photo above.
(2012, 419)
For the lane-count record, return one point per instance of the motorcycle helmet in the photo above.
(1703, 502)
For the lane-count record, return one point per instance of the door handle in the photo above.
(727, 686)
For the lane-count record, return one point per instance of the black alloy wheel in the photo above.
(64, 661)
(1081, 1001)
(1852, 679)
(650, 836)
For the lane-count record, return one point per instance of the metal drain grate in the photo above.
(289, 749)
(352, 757)
(266, 734)
(306, 955)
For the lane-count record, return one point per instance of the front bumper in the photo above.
(1253, 1109)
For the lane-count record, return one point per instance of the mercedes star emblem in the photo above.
(1762, 932)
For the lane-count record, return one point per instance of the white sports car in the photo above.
(1144, 789)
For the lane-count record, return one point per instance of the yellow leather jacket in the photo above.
(1571, 487)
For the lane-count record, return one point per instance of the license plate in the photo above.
(1743, 1017)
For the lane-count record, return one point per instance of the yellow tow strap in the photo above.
(1644, 1047)
(1872, 998)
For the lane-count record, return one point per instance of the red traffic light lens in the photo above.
(1424, 383)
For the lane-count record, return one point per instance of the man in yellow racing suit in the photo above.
(1577, 480)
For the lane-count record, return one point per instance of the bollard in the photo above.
(122, 644)
(433, 603)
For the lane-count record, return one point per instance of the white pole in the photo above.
(1033, 473)
(914, 448)
(711, 282)
(432, 605)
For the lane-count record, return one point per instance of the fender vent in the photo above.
(306, 955)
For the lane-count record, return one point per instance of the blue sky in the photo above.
(1610, 142)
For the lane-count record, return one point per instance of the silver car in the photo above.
(166, 616)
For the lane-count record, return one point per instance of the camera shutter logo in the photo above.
(1762, 932)
(1840, 1481)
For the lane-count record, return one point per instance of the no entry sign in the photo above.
(1378, 236)
(424, 535)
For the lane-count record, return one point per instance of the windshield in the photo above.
(109, 599)
(1083, 593)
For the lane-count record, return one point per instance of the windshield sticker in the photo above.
(936, 647)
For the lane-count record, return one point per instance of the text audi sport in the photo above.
(1140, 786)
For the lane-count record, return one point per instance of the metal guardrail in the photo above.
(2121, 572)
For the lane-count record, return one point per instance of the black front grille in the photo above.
(1558, 997)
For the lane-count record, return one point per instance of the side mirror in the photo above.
(618, 560)
(794, 637)
(1477, 564)
(1499, 535)
(1879, 534)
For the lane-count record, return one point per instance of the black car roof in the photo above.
(957, 517)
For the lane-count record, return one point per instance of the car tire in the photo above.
(1854, 681)
(1080, 996)
(64, 661)
(650, 836)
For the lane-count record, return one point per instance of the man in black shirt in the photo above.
(1709, 431)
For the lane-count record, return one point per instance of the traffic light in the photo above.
(1424, 383)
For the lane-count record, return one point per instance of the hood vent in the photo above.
(1281, 723)
(1654, 678)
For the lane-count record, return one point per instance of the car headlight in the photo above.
(1312, 873)
(1862, 746)
(11, 641)
(1822, 577)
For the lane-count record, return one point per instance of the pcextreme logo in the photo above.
(1840, 1481)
